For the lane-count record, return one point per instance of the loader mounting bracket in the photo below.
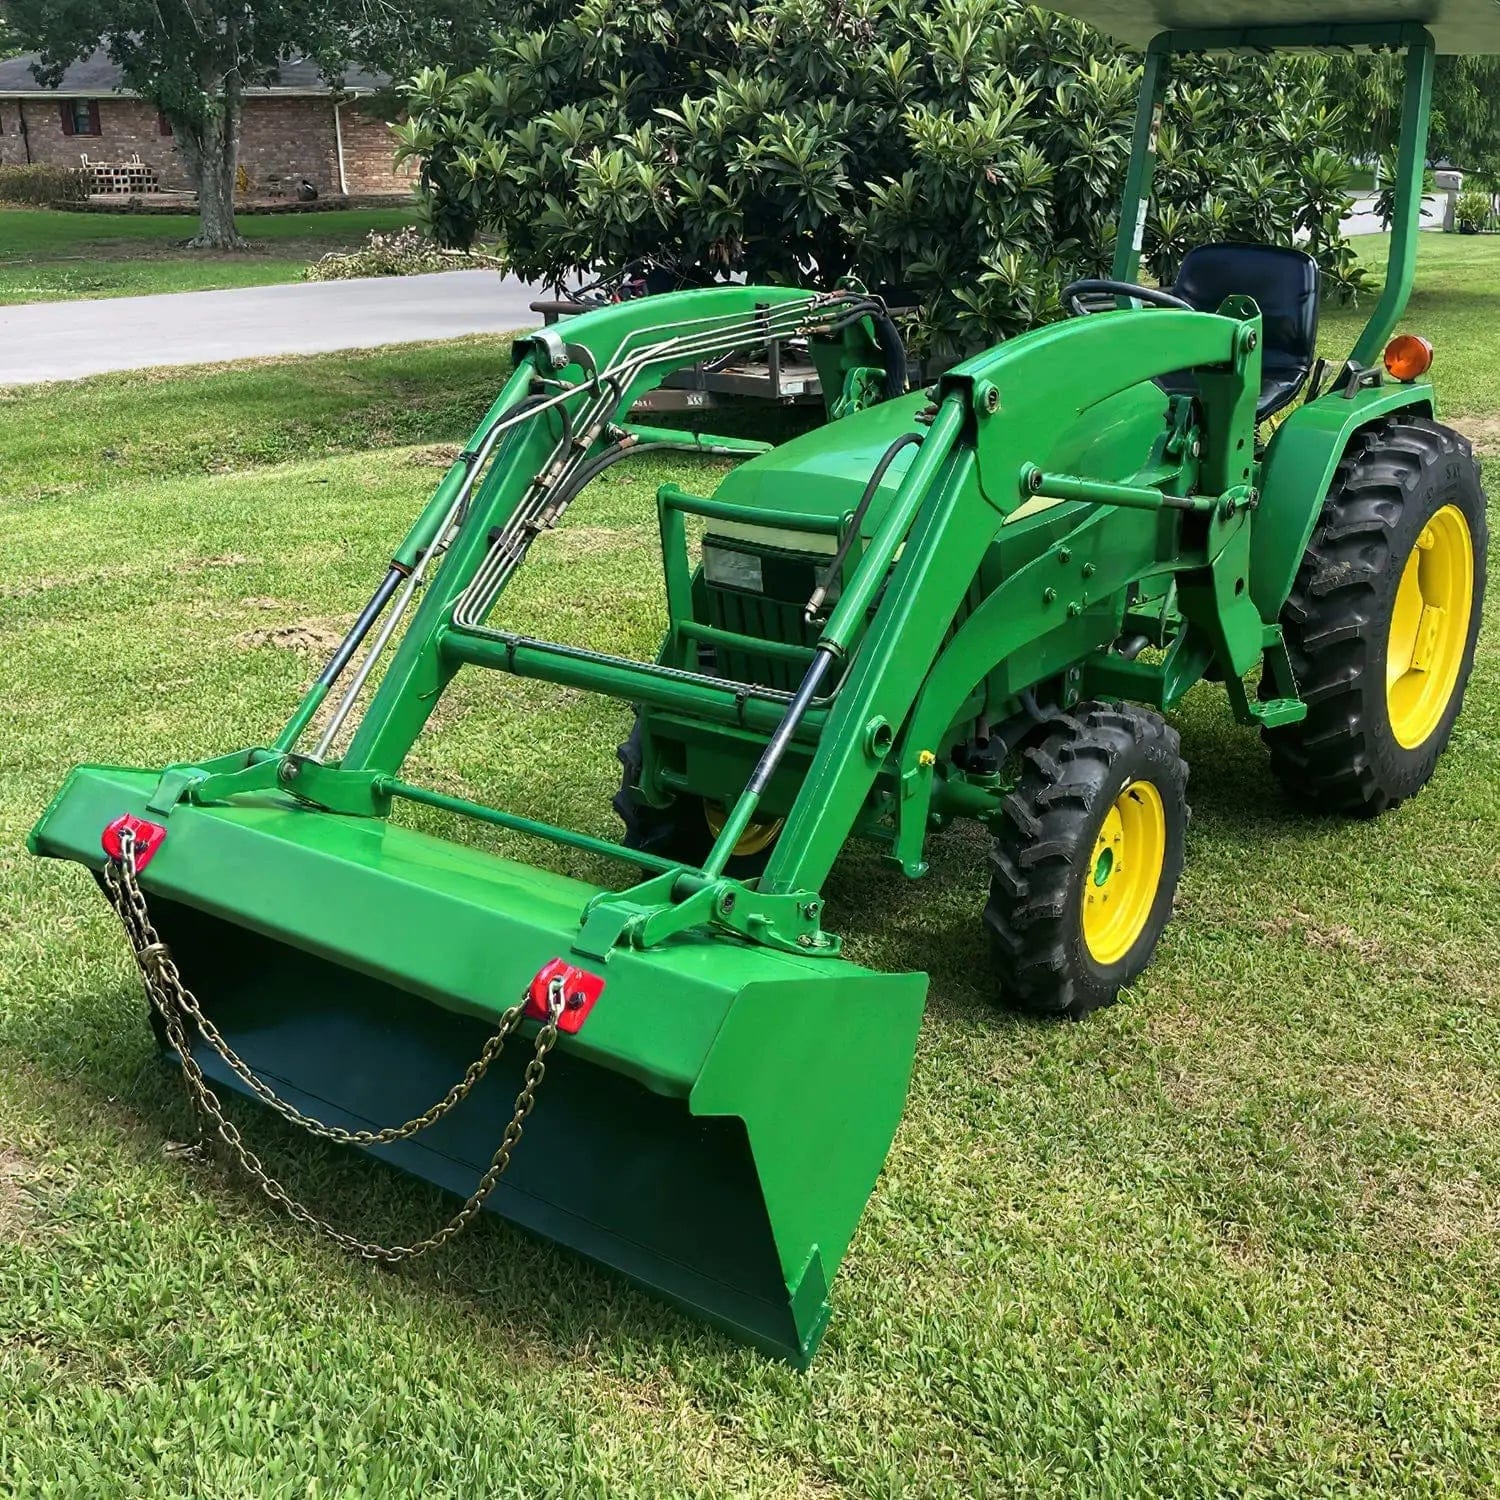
(680, 900)
(330, 788)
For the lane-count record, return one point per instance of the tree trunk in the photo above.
(211, 148)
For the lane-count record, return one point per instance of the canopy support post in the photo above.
(1406, 224)
(1136, 199)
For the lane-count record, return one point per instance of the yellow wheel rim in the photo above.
(1429, 627)
(1124, 875)
(755, 837)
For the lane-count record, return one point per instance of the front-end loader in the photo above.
(976, 601)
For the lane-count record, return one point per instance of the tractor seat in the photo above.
(1285, 286)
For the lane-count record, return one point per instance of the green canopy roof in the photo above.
(1456, 25)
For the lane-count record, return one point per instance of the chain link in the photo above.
(181, 1012)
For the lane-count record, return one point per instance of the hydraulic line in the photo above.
(540, 508)
(315, 695)
(603, 390)
(835, 567)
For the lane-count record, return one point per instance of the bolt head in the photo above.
(1049, 596)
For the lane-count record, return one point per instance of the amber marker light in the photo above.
(1408, 356)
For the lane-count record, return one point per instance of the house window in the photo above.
(163, 124)
(80, 116)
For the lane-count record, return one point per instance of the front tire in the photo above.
(1383, 617)
(686, 828)
(1086, 863)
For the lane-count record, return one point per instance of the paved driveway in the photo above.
(63, 340)
(1361, 218)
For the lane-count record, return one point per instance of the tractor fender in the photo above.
(1305, 451)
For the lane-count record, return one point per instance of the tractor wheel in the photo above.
(1086, 863)
(684, 830)
(1383, 617)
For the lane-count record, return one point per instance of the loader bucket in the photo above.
(712, 1130)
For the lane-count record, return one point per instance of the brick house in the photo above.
(298, 127)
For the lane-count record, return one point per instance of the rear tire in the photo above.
(1383, 617)
(1100, 815)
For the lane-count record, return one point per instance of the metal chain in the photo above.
(179, 1008)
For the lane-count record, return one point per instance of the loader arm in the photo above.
(969, 479)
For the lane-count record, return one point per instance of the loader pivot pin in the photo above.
(580, 990)
(148, 837)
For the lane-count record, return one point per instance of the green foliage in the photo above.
(39, 184)
(1474, 211)
(966, 154)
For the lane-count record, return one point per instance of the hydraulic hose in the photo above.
(851, 532)
(770, 759)
(892, 352)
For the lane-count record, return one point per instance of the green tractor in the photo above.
(976, 601)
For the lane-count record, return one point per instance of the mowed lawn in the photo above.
(49, 255)
(1236, 1235)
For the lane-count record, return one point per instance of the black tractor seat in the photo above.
(1285, 285)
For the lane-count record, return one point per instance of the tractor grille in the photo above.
(771, 613)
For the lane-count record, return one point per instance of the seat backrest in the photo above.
(1284, 283)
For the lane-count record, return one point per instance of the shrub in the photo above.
(1473, 212)
(39, 184)
(407, 252)
(967, 152)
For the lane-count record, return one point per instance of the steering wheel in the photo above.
(1075, 291)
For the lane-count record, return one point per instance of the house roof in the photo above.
(96, 75)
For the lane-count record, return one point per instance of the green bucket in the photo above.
(712, 1130)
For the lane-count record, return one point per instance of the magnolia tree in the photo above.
(966, 154)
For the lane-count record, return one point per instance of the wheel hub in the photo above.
(1125, 872)
(1429, 627)
(756, 836)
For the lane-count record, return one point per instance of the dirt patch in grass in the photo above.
(433, 456)
(17, 1208)
(1328, 937)
(32, 586)
(1483, 432)
(582, 541)
(1442, 1214)
(204, 564)
(301, 635)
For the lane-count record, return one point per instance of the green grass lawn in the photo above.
(1236, 1235)
(48, 255)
